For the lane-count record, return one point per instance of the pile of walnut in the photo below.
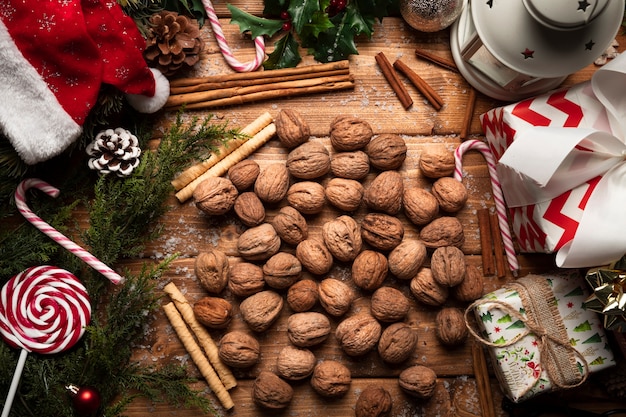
(276, 253)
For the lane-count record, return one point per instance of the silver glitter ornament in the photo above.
(430, 15)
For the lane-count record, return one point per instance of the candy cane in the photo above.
(497, 194)
(259, 43)
(88, 258)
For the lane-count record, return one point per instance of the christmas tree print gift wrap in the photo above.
(540, 336)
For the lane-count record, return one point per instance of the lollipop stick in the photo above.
(21, 361)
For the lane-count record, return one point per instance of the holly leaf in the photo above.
(301, 12)
(379, 8)
(285, 54)
(274, 7)
(336, 43)
(257, 26)
(319, 23)
(358, 22)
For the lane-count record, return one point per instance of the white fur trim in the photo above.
(31, 116)
(145, 104)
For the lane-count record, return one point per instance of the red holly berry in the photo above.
(287, 26)
(284, 15)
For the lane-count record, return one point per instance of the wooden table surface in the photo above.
(188, 232)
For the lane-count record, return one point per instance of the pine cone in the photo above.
(173, 42)
(114, 151)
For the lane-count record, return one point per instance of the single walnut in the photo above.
(358, 334)
(309, 160)
(344, 194)
(418, 381)
(243, 174)
(369, 270)
(282, 270)
(420, 206)
(290, 225)
(307, 197)
(331, 379)
(386, 151)
(239, 349)
(245, 279)
(350, 165)
(382, 231)
(450, 326)
(335, 296)
(349, 133)
(258, 243)
(213, 312)
(389, 304)
(314, 256)
(374, 401)
(307, 329)
(443, 231)
(272, 183)
(406, 259)
(428, 291)
(295, 363)
(450, 193)
(261, 310)
(212, 269)
(472, 286)
(302, 295)
(291, 128)
(343, 238)
(271, 392)
(249, 208)
(385, 193)
(448, 265)
(437, 163)
(397, 343)
(215, 195)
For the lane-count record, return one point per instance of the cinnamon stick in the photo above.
(486, 242)
(393, 80)
(498, 246)
(435, 59)
(481, 373)
(427, 91)
(469, 113)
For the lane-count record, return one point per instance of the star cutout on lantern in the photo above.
(582, 5)
(528, 53)
(608, 298)
(589, 45)
(490, 3)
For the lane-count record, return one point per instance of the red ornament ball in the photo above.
(85, 400)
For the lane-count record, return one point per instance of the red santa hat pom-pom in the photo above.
(147, 104)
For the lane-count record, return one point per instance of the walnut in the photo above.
(428, 291)
(389, 304)
(307, 329)
(212, 270)
(448, 265)
(350, 165)
(397, 343)
(385, 193)
(450, 326)
(243, 174)
(271, 392)
(406, 259)
(291, 128)
(443, 231)
(386, 151)
(418, 381)
(382, 231)
(345, 194)
(249, 208)
(290, 225)
(349, 133)
(343, 238)
(282, 270)
(215, 195)
(374, 401)
(331, 379)
(239, 349)
(308, 197)
(302, 295)
(245, 279)
(358, 334)
(420, 206)
(258, 243)
(308, 161)
(450, 193)
(335, 296)
(369, 270)
(272, 183)
(213, 312)
(261, 310)
(314, 256)
(472, 286)
(295, 363)
(437, 163)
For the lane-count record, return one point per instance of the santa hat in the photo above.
(54, 56)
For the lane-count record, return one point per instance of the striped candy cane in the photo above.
(88, 258)
(497, 194)
(259, 44)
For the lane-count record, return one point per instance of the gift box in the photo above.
(560, 162)
(540, 337)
